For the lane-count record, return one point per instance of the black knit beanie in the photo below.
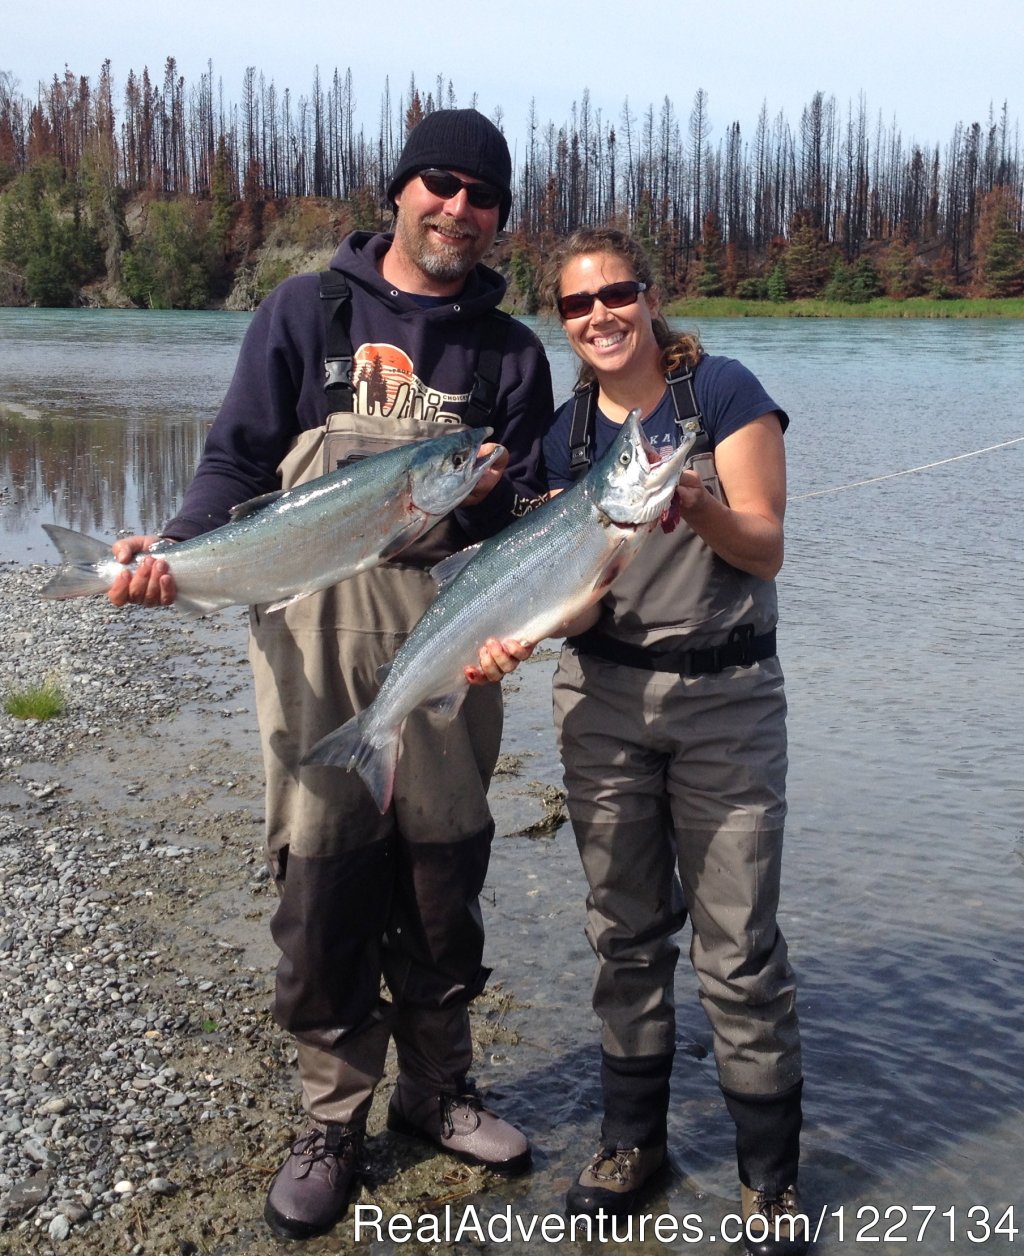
(462, 140)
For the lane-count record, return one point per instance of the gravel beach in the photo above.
(147, 1094)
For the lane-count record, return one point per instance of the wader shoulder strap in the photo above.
(483, 400)
(684, 403)
(584, 402)
(336, 298)
(688, 415)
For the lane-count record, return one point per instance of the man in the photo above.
(406, 333)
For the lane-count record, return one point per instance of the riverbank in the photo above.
(882, 307)
(148, 1097)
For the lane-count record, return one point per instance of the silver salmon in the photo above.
(526, 583)
(285, 545)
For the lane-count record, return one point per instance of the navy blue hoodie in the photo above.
(277, 388)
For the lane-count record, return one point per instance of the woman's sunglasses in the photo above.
(613, 296)
(446, 185)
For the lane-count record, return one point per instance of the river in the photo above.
(900, 601)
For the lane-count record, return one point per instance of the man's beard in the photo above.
(431, 254)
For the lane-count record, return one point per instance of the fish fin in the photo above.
(348, 747)
(195, 608)
(255, 504)
(448, 704)
(287, 601)
(79, 554)
(448, 568)
(671, 516)
(383, 672)
(412, 530)
(614, 567)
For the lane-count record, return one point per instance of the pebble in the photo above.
(59, 1228)
(92, 1112)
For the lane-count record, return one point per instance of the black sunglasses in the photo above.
(446, 185)
(613, 296)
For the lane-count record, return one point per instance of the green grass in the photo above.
(42, 701)
(880, 307)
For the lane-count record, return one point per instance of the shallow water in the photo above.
(904, 872)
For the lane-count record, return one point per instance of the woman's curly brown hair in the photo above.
(678, 349)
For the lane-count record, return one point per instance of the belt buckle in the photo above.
(743, 636)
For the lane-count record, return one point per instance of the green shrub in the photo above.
(854, 283)
(43, 701)
(776, 284)
(753, 289)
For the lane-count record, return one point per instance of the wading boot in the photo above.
(774, 1225)
(312, 1188)
(459, 1124)
(612, 1181)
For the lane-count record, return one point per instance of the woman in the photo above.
(671, 721)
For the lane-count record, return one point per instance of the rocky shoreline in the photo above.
(147, 1094)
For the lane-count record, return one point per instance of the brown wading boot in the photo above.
(312, 1188)
(459, 1124)
(612, 1181)
(774, 1225)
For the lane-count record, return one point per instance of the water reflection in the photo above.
(97, 476)
(103, 414)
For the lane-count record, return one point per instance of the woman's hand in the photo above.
(148, 584)
(497, 660)
(691, 495)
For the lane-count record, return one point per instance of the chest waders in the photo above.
(647, 847)
(743, 646)
(364, 896)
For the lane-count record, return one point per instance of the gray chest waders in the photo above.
(357, 889)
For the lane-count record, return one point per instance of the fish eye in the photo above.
(459, 461)
(625, 458)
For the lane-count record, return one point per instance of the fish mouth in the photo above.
(483, 462)
(646, 454)
(658, 468)
(661, 477)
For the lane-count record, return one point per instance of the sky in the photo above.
(924, 66)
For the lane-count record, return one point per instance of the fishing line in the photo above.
(877, 479)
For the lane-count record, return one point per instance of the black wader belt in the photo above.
(338, 378)
(741, 650)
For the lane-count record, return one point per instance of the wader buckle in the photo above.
(337, 372)
(743, 636)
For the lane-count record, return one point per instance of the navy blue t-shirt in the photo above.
(729, 396)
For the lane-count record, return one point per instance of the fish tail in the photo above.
(79, 553)
(373, 755)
